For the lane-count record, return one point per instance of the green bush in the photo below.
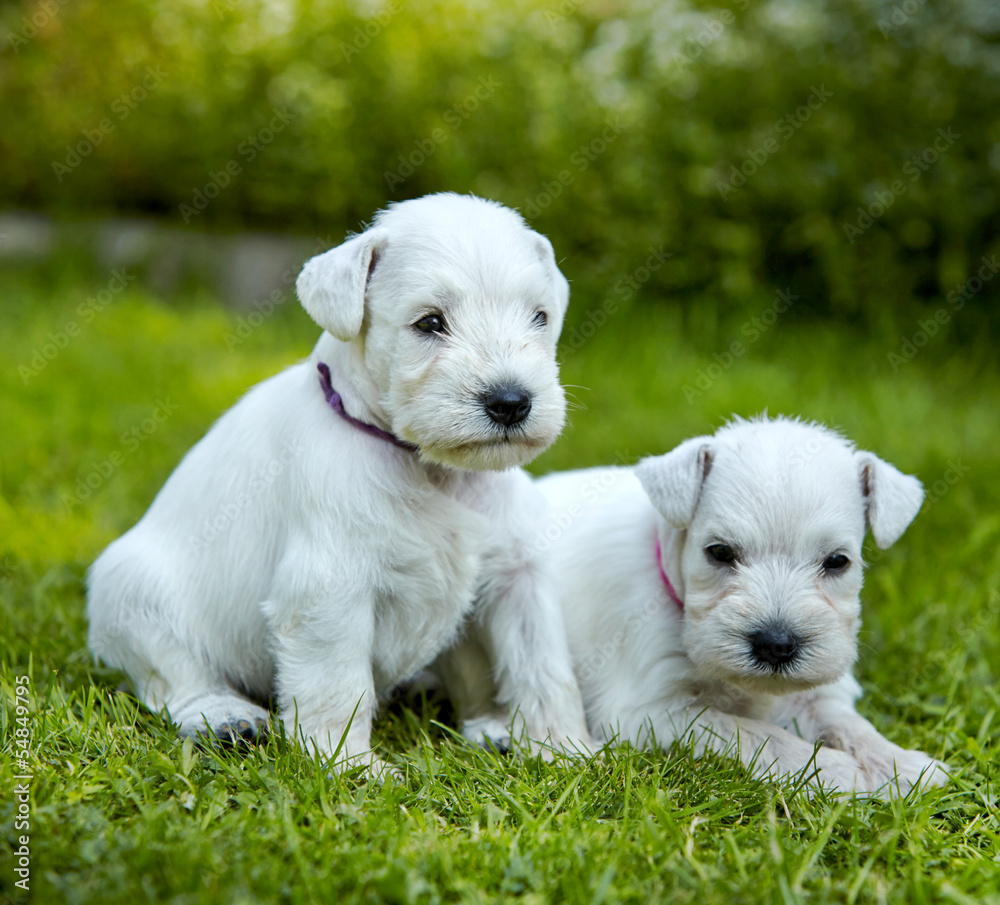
(619, 127)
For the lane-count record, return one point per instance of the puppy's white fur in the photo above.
(785, 496)
(292, 554)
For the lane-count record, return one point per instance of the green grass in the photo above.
(123, 811)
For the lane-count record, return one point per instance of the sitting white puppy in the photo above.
(340, 525)
(714, 590)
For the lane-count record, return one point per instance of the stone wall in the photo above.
(240, 268)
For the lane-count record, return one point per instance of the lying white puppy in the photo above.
(335, 530)
(714, 590)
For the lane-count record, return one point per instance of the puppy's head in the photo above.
(455, 308)
(773, 516)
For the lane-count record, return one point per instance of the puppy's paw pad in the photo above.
(240, 733)
(226, 721)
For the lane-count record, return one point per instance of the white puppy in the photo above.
(336, 529)
(714, 590)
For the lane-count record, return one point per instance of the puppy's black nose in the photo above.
(774, 646)
(507, 405)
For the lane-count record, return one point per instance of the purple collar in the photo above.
(666, 581)
(337, 404)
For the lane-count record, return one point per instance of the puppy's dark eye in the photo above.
(541, 319)
(432, 323)
(837, 562)
(721, 553)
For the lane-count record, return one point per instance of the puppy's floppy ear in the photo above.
(892, 499)
(332, 285)
(560, 285)
(673, 481)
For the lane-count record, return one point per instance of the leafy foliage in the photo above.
(758, 141)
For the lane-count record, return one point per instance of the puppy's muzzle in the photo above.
(507, 405)
(774, 647)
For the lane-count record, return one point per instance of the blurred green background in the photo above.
(756, 141)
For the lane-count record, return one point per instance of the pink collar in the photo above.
(666, 581)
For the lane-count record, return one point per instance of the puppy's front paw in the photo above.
(373, 768)
(377, 770)
(893, 771)
(546, 744)
(574, 745)
(887, 770)
(224, 720)
(837, 770)
(488, 732)
(240, 733)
